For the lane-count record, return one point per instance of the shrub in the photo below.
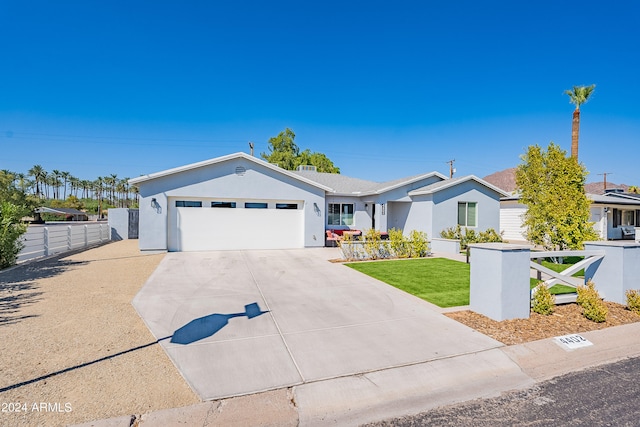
(633, 300)
(593, 308)
(468, 236)
(419, 243)
(399, 243)
(372, 245)
(543, 301)
(10, 231)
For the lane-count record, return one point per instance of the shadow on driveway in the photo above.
(207, 326)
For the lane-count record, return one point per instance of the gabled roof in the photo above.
(240, 155)
(340, 184)
(438, 186)
(346, 185)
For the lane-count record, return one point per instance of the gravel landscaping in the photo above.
(73, 347)
(566, 319)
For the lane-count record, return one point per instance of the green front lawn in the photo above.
(440, 281)
(555, 289)
(567, 262)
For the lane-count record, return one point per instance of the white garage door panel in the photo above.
(511, 223)
(199, 229)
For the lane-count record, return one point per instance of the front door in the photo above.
(373, 216)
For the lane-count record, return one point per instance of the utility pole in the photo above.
(251, 147)
(451, 169)
(605, 179)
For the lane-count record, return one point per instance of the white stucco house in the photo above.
(241, 202)
(614, 215)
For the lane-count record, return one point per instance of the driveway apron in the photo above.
(241, 322)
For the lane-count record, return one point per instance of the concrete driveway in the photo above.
(241, 322)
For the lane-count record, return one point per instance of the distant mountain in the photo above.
(506, 180)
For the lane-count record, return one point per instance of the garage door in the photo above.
(511, 223)
(209, 224)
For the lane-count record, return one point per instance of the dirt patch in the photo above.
(73, 347)
(567, 319)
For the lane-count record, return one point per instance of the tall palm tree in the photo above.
(22, 182)
(577, 96)
(38, 173)
(56, 183)
(65, 176)
(74, 183)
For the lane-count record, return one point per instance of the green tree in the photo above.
(14, 204)
(284, 152)
(38, 173)
(11, 192)
(577, 96)
(11, 228)
(551, 185)
(319, 160)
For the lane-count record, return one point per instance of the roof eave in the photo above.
(225, 158)
(407, 182)
(460, 181)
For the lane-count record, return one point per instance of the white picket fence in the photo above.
(40, 241)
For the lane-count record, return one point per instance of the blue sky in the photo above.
(385, 89)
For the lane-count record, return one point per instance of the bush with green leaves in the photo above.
(419, 243)
(372, 247)
(399, 243)
(593, 308)
(467, 236)
(11, 228)
(633, 300)
(543, 301)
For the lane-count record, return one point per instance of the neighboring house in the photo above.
(242, 202)
(611, 213)
(69, 214)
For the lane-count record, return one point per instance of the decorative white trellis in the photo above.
(564, 277)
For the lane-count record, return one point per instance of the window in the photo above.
(625, 217)
(467, 214)
(188, 204)
(255, 205)
(340, 214)
(286, 206)
(223, 204)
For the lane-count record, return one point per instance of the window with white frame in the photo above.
(467, 214)
(340, 214)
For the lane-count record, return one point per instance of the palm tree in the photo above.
(38, 173)
(56, 183)
(75, 185)
(65, 176)
(634, 189)
(578, 96)
(22, 182)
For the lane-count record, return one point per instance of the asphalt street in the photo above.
(607, 395)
